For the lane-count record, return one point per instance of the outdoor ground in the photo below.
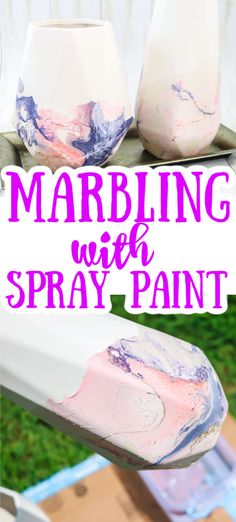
(33, 451)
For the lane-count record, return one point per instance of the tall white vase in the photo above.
(177, 107)
(72, 106)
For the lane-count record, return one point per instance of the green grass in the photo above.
(34, 451)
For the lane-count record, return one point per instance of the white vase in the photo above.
(177, 107)
(72, 106)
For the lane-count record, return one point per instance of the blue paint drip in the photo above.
(104, 136)
(27, 119)
(181, 92)
(214, 419)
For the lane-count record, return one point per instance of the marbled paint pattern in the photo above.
(177, 124)
(151, 402)
(89, 136)
(178, 102)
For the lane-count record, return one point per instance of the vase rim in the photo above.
(70, 24)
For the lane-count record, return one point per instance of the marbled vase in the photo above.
(177, 109)
(150, 402)
(138, 396)
(71, 106)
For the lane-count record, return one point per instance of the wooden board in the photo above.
(229, 431)
(219, 515)
(117, 495)
(110, 495)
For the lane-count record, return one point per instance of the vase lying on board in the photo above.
(71, 106)
(177, 108)
(138, 396)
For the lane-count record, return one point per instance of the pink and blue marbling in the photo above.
(150, 402)
(89, 136)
